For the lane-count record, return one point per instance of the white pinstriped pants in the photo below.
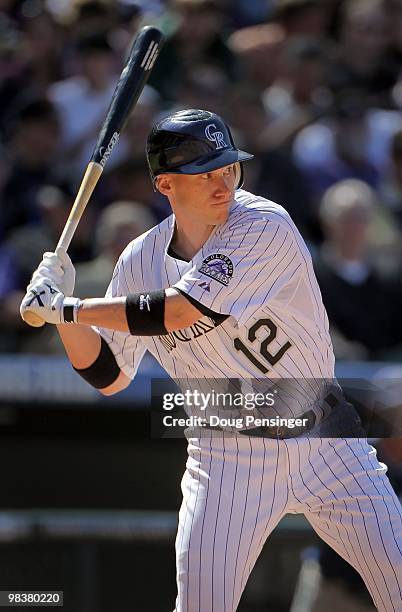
(236, 490)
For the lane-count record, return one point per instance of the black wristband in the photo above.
(145, 313)
(104, 370)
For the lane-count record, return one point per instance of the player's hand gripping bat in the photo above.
(135, 74)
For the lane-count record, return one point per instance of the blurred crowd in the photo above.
(312, 87)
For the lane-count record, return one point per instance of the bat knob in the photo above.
(33, 319)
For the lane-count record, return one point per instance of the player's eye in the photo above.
(206, 176)
(229, 170)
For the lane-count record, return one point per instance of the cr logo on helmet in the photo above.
(216, 137)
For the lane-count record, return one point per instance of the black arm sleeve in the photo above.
(215, 316)
(104, 370)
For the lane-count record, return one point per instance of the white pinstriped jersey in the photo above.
(255, 268)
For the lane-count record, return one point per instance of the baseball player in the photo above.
(224, 289)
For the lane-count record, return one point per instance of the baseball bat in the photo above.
(144, 51)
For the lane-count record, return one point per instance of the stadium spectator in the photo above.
(304, 62)
(205, 86)
(120, 18)
(33, 145)
(24, 245)
(305, 17)
(272, 172)
(251, 46)
(363, 302)
(130, 180)
(393, 56)
(299, 95)
(197, 39)
(244, 13)
(32, 56)
(44, 40)
(362, 42)
(391, 188)
(280, 180)
(93, 15)
(337, 147)
(82, 100)
(118, 224)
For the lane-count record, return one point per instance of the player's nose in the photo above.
(224, 186)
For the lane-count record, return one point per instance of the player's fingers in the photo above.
(46, 273)
(51, 259)
(40, 279)
(47, 268)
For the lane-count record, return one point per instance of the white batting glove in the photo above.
(56, 268)
(50, 304)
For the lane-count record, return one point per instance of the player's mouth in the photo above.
(221, 203)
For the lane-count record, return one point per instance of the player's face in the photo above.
(205, 198)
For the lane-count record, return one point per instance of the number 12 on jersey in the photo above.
(272, 359)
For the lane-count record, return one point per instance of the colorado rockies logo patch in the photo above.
(219, 267)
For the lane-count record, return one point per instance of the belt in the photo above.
(282, 432)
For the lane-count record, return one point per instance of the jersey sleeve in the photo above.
(127, 349)
(251, 263)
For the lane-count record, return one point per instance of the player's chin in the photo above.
(219, 215)
(219, 220)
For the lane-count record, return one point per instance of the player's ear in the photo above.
(164, 184)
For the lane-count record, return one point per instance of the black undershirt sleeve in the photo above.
(215, 316)
(104, 371)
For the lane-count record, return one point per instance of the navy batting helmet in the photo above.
(192, 142)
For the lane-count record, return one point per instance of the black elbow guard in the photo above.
(104, 371)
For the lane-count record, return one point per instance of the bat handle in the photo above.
(89, 181)
(88, 184)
